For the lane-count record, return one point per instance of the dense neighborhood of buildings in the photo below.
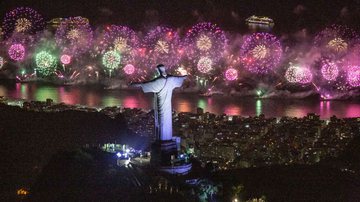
(228, 142)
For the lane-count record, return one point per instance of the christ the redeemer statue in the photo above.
(162, 87)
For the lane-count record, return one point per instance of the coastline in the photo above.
(50, 106)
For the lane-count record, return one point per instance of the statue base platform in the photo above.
(181, 169)
(163, 158)
(162, 152)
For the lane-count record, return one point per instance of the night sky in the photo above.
(229, 14)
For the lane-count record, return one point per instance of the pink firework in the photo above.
(74, 35)
(22, 20)
(205, 65)
(205, 39)
(329, 70)
(353, 76)
(129, 69)
(261, 52)
(162, 46)
(305, 76)
(121, 39)
(231, 74)
(65, 59)
(336, 40)
(17, 52)
(298, 74)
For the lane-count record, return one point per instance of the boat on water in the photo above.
(259, 20)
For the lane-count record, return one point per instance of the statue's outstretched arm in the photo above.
(139, 84)
(178, 80)
(149, 86)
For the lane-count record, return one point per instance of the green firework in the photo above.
(45, 63)
(111, 60)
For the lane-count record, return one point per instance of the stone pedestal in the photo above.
(163, 158)
(181, 169)
(161, 152)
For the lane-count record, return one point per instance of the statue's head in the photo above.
(161, 69)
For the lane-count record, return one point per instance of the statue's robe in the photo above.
(162, 87)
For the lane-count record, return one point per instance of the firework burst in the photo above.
(353, 76)
(329, 70)
(231, 74)
(261, 52)
(182, 71)
(121, 39)
(335, 41)
(205, 65)
(65, 59)
(129, 69)
(205, 39)
(162, 47)
(17, 52)
(111, 60)
(74, 36)
(45, 63)
(331, 82)
(22, 20)
(338, 45)
(298, 74)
